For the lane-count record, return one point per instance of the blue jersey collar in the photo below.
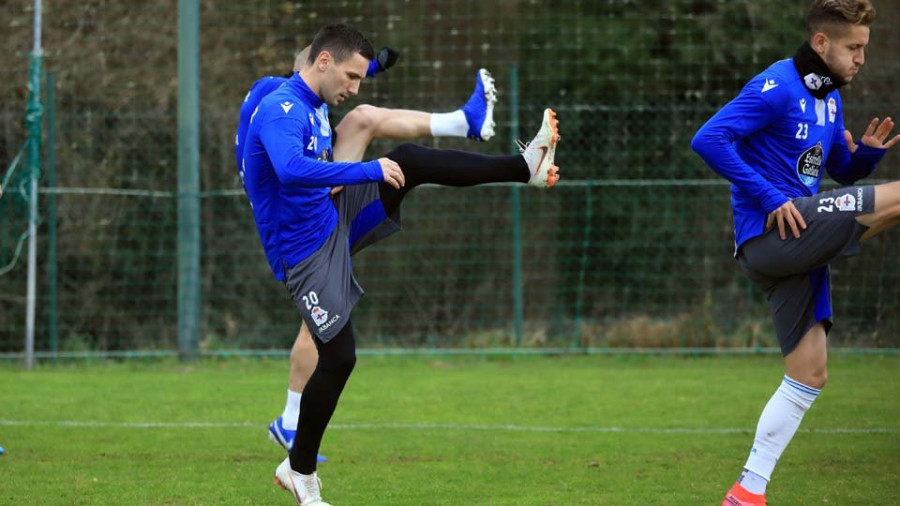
(308, 94)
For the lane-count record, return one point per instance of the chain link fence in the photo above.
(633, 250)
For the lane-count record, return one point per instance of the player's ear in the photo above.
(323, 60)
(819, 42)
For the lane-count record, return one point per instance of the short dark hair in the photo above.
(833, 16)
(342, 41)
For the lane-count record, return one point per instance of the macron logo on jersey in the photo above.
(769, 84)
(286, 106)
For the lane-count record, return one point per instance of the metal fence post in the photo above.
(516, 207)
(33, 114)
(188, 178)
(52, 292)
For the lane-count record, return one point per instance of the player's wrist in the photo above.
(373, 171)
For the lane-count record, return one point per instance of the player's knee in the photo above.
(338, 356)
(362, 117)
(347, 362)
(341, 364)
(817, 378)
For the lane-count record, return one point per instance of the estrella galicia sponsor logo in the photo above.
(846, 202)
(334, 319)
(809, 165)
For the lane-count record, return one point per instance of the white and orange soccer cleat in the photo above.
(305, 487)
(739, 496)
(539, 153)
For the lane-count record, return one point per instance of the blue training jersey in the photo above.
(257, 92)
(772, 143)
(287, 175)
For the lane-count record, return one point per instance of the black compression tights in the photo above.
(320, 396)
(421, 165)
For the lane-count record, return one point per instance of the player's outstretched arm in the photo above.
(286, 150)
(849, 161)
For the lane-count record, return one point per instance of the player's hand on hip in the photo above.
(336, 189)
(876, 135)
(391, 173)
(786, 214)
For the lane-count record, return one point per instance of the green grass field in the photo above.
(458, 430)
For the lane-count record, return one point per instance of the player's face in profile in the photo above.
(342, 79)
(845, 53)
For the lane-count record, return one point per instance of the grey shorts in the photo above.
(795, 273)
(323, 286)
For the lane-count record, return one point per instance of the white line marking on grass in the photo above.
(130, 425)
(437, 426)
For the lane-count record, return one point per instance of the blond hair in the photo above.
(832, 16)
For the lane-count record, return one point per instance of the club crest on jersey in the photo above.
(832, 109)
(319, 315)
(846, 202)
(814, 81)
(809, 165)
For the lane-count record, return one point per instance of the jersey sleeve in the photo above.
(845, 167)
(755, 108)
(260, 89)
(284, 142)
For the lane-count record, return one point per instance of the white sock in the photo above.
(777, 425)
(752, 482)
(291, 410)
(449, 124)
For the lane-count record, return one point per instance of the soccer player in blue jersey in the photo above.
(353, 134)
(772, 143)
(308, 236)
